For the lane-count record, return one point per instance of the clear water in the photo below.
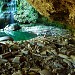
(18, 35)
(31, 31)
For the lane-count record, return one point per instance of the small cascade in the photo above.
(7, 16)
(12, 6)
(11, 20)
(11, 10)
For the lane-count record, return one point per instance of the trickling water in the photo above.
(11, 20)
(12, 6)
(16, 35)
(11, 10)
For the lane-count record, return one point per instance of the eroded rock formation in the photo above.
(56, 10)
(25, 12)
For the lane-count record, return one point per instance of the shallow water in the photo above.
(31, 31)
(18, 35)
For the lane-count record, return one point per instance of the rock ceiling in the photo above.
(56, 10)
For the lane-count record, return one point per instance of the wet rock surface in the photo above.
(12, 27)
(39, 56)
(43, 29)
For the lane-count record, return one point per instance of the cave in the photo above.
(37, 37)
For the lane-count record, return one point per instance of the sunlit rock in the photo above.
(56, 10)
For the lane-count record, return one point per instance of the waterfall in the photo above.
(11, 10)
(12, 6)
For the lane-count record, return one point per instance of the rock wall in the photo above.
(56, 10)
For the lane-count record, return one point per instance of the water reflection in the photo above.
(18, 35)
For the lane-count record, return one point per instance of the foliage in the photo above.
(1, 3)
(25, 12)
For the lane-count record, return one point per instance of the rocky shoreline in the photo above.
(39, 56)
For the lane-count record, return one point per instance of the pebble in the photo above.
(16, 60)
(17, 73)
(73, 58)
(24, 52)
(45, 72)
(3, 61)
(63, 56)
(41, 56)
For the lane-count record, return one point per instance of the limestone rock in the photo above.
(45, 72)
(13, 27)
(17, 73)
(16, 60)
(56, 10)
(2, 61)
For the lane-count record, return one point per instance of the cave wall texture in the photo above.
(56, 10)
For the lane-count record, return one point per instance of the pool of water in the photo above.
(18, 35)
(31, 31)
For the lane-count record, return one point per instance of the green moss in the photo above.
(25, 12)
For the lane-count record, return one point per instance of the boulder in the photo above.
(13, 27)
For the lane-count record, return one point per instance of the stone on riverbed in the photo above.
(12, 27)
(16, 60)
(5, 38)
(55, 60)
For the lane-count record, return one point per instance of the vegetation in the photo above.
(25, 12)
